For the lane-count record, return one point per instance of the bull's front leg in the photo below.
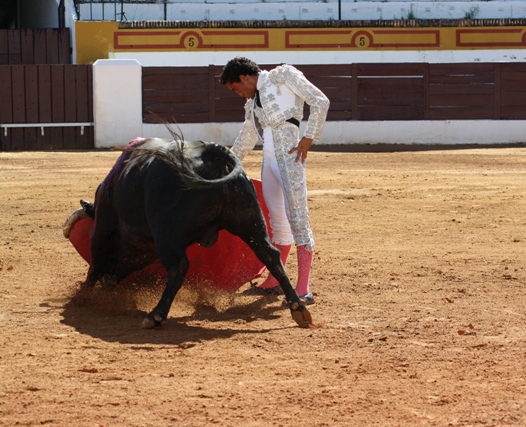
(298, 309)
(270, 256)
(176, 275)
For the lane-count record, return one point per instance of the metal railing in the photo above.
(108, 10)
(80, 125)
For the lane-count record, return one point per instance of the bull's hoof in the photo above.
(84, 294)
(107, 282)
(151, 322)
(300, 314)
(148, 323)
(82, 297)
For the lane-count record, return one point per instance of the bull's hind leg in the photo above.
(104, 248)
(133, 258)
(177, 269)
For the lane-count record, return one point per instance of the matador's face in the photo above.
(245, 87)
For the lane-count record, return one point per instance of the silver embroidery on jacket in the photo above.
(283, 92)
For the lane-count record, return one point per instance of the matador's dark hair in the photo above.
(239, 66)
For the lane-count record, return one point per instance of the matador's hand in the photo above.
(302, 149)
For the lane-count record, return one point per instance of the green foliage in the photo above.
(472, 13)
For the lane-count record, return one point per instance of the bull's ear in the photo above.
(88, 207)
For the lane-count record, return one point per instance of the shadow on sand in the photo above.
(115, 316)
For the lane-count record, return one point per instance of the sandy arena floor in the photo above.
(420, 280)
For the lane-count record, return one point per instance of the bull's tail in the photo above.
(217, 166)
(199, 167)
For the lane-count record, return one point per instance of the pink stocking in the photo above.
(271, 282)
(304, 267)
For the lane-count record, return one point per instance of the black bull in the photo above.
(162, 196)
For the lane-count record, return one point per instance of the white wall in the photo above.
(439, 132)
(242, 10)
(118, 119)
(203, 59)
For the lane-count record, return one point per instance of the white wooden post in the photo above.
(117, 101)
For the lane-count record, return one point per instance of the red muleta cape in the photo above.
(225, 266)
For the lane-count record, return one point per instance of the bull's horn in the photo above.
(72, 220)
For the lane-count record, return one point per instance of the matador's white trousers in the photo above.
(285, 192)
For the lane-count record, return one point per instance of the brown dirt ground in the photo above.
(420, 318)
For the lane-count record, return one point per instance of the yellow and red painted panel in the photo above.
(488, 38)
(190, 39)
(97, 40)
(362, 39)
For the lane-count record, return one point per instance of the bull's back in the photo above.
(129, 199)
(152, 200)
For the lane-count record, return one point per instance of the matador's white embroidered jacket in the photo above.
(283, 92)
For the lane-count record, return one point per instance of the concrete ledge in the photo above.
(397, 148)
(117, 102)
(448, 132)
(379, 23)
(445, 133)
(330, 10)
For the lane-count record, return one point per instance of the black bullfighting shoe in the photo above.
(256, 290)
(308, 298)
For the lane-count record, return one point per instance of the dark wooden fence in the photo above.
(35, 46)
(379, 91)
(46, 107)
(46, 103)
